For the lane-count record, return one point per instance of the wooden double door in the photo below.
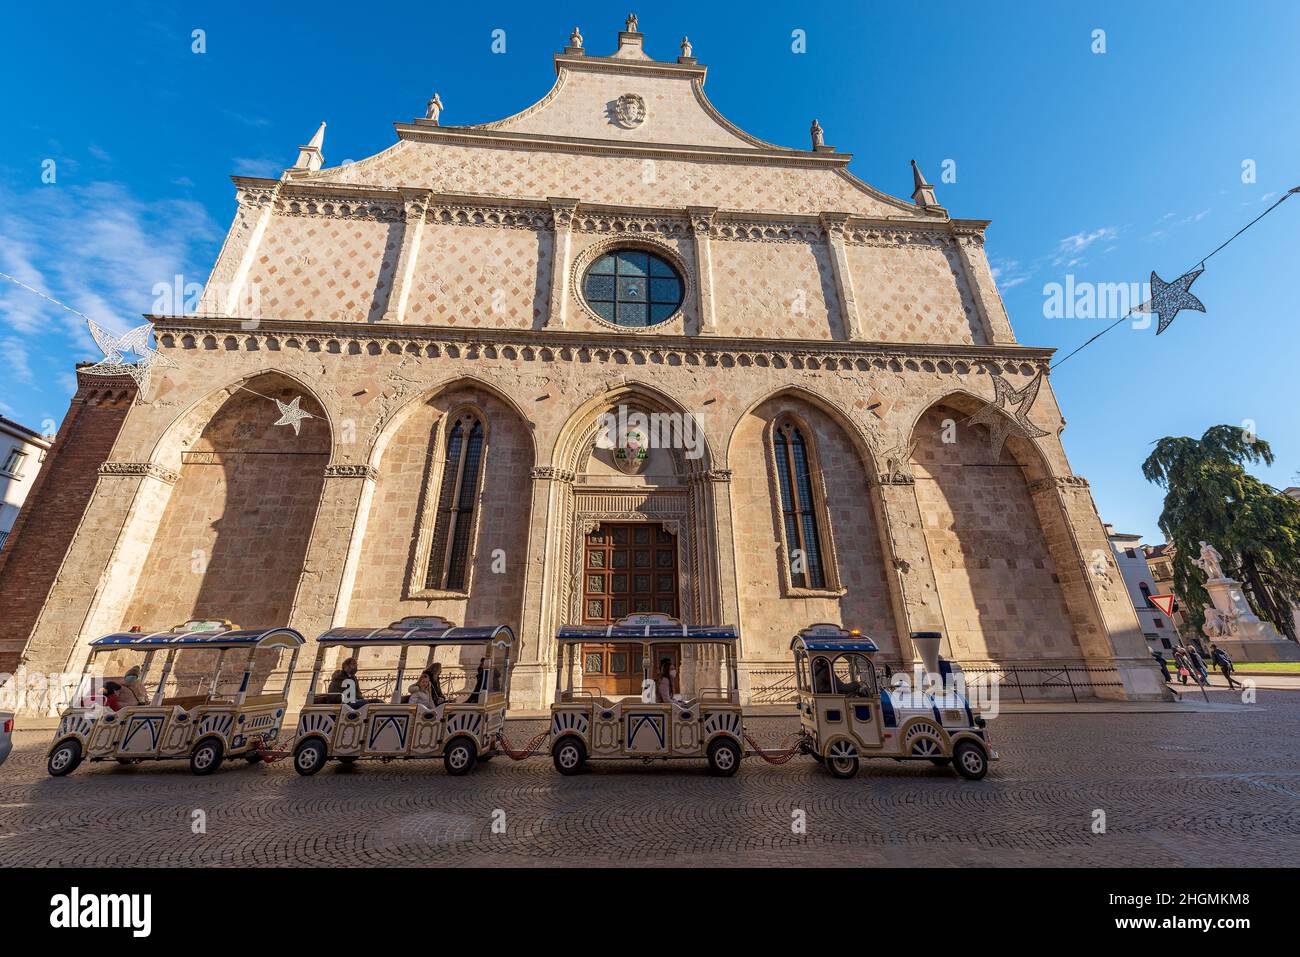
(628, 567)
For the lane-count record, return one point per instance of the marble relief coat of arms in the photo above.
(629, 110)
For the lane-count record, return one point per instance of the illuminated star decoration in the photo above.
(1170, 298)
(1001, 421)
(290, 414)
(116, 350)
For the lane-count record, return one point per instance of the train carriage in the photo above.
(355, 722)
(844, 715)
(221, 693)
(705, 723)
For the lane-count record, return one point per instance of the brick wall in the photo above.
(32, 555)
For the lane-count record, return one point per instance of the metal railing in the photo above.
(1027, 682)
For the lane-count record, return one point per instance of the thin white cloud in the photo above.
(265, 168)
(99, 249)
(1069, 251)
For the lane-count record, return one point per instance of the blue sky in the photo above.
(1104, 166)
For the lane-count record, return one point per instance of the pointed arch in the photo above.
(996, 568)
(231, 540)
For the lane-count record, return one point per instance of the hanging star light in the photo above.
(290, 414)
(1001, 422)
(1168, 299)
(117, 349)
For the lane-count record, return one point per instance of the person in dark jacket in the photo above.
(480, 683)
(1198, 665)
(1160, 660)
(345, 684)
(1220, 658)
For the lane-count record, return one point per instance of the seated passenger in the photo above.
(480, 682)
(822, 680)
(664, 688)
(133, 691)
(344, 683)
(111, 692)
(424, 692)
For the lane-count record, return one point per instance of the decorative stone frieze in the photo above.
(145, 469)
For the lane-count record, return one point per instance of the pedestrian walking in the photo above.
(1220, 658)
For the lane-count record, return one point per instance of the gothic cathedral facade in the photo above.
(790, 357)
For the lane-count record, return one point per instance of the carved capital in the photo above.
(835, 224)
(895, 478)
(718, 475)
(145, 469)
(562, 211)
(1058, 482)
(701, 218)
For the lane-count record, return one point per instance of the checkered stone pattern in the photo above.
(1178, 790)
(584, 109)
(914, 293)
(325, 268)
(997, 582)
(481, 277)
(613, 180)
(775, 290)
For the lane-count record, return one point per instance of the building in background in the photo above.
(1160, 564)
(22, 451)
(1130, 556)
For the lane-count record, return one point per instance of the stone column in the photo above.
(532, 682)
(330, 567)
(988, 303)
(102, 565)
(1101, 611)
(834, 226)
(914, 591)
(701, 218)
(562, 213)
(416, 205)
(224, 294)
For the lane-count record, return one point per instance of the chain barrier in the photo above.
(777, 756)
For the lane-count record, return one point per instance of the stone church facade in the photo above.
(460, 311)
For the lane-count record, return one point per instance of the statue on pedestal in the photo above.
(816, 131)
(1210, 562)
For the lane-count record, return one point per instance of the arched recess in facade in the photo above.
(856, 589)
(233, 535)
(673, 489)
(401, 553)
(997, 539)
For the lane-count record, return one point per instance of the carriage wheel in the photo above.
(458, 758)
(64, 758)
(927, 747)
(724, 757)
(970, 760)
(842, 759)
(206, 756)
(309, 756)
(569, 755)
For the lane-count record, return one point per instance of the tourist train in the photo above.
(211, 706)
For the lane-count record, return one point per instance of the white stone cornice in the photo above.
(552, 345)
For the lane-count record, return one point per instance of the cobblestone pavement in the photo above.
(1213, 789)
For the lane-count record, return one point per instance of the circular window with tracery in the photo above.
(633, 287)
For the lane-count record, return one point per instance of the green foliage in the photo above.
(1210, 497)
